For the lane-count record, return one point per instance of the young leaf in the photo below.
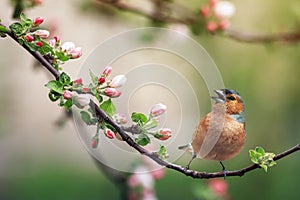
(31, 45)
(99, 98)
(162, 153)
(3, 29)
(54, 96)
(260, 150)
(56, 86)
(68, 104)
(139, 118)
(16, 28)
(85, 116)
(64, 79)
(108, 107)
(94, 78)
(61, 56)
(142, 139)
(46, 48)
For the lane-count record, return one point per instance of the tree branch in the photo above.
(190, 17)
(153, 155)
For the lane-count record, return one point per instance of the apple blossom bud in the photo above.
(86, 89)
(101, 80)
(163, 134)
(39, 44)
(212, 3)
(211, 26)
(52, 42)
(67, 46)
(219, 186)
(158, 174)
(223, 24)
(83, 99)
(29, 38)
(37, 2)
(205, 11)
(112, 92)
(78, 81)
(37, 21)
(95, 142)
(118, 81)
(107, 71)
(42, 33)
(109, 133)
(224, 9)
(119, 118)
(76, 52)
(57, 39)
(158, 109)
(67, 94)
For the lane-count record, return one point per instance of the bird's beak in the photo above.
(221, 98)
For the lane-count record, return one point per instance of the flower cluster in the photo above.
(141, 181)
(217, 14)
(216, 189)
(29, 34)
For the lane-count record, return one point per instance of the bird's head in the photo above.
(232, 99)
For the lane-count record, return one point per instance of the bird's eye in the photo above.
(231, 98)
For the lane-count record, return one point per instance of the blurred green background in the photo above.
(41, 161)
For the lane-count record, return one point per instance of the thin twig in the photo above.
(153, 155)
(192, 17)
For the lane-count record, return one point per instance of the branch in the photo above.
(192, 18)
(153, 155)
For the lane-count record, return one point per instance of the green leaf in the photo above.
(61, 56)
(142, 139)
(265, 167)
(46, 48)
(99, 98)
(64, 79)
(85, 116)
(16, 28)
(68, 104)
(55, 86)
(94, 78)
(162, 153)
(31, 45)
(108, 107)
(54, 96)
(139, 118)
(3, 29)
(26, 22)
(260, 150)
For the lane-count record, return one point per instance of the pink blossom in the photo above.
(118, 81)
(164, 134)
(95, 142)
(133, 180)
(205, 11)
(223, 24)
(212, 3)
(39, 44)
(86, 89)
(67, 94)
(224, 9)
(101, 80)
(107, 71)
(76, 52)
(42, 33)
(37, 21)
(158, 109)
(29, 38)
(67, 46)
(52, 42)
(57, 39)
(37, 2)
(159, 173)
(120, 118)
(219, 186)
(81, 99)
(78, 81)
(109, 133)
(211, 26)
(112, 92)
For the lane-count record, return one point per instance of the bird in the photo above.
(220, 135)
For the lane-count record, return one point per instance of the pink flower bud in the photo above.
(37, 21)
(67, 94)
(57, 39)
(109, 133)
(119, 118)
(95, 142)
(163, 134)
(52, 42)
(29, 38)
(219, 186)
(212, 3)
(101, 80)
(107, 71)
(223, 24)
(211, 26)
(112, 92)
(42, 33)
(76, 52)
(67, 46)
(37, 2)
(158, 174)
(39, 44)
(78, 81)
(118, 81)
(205, 11)
(158, 109)
(86, 89)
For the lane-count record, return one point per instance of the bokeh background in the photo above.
(39, 160)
